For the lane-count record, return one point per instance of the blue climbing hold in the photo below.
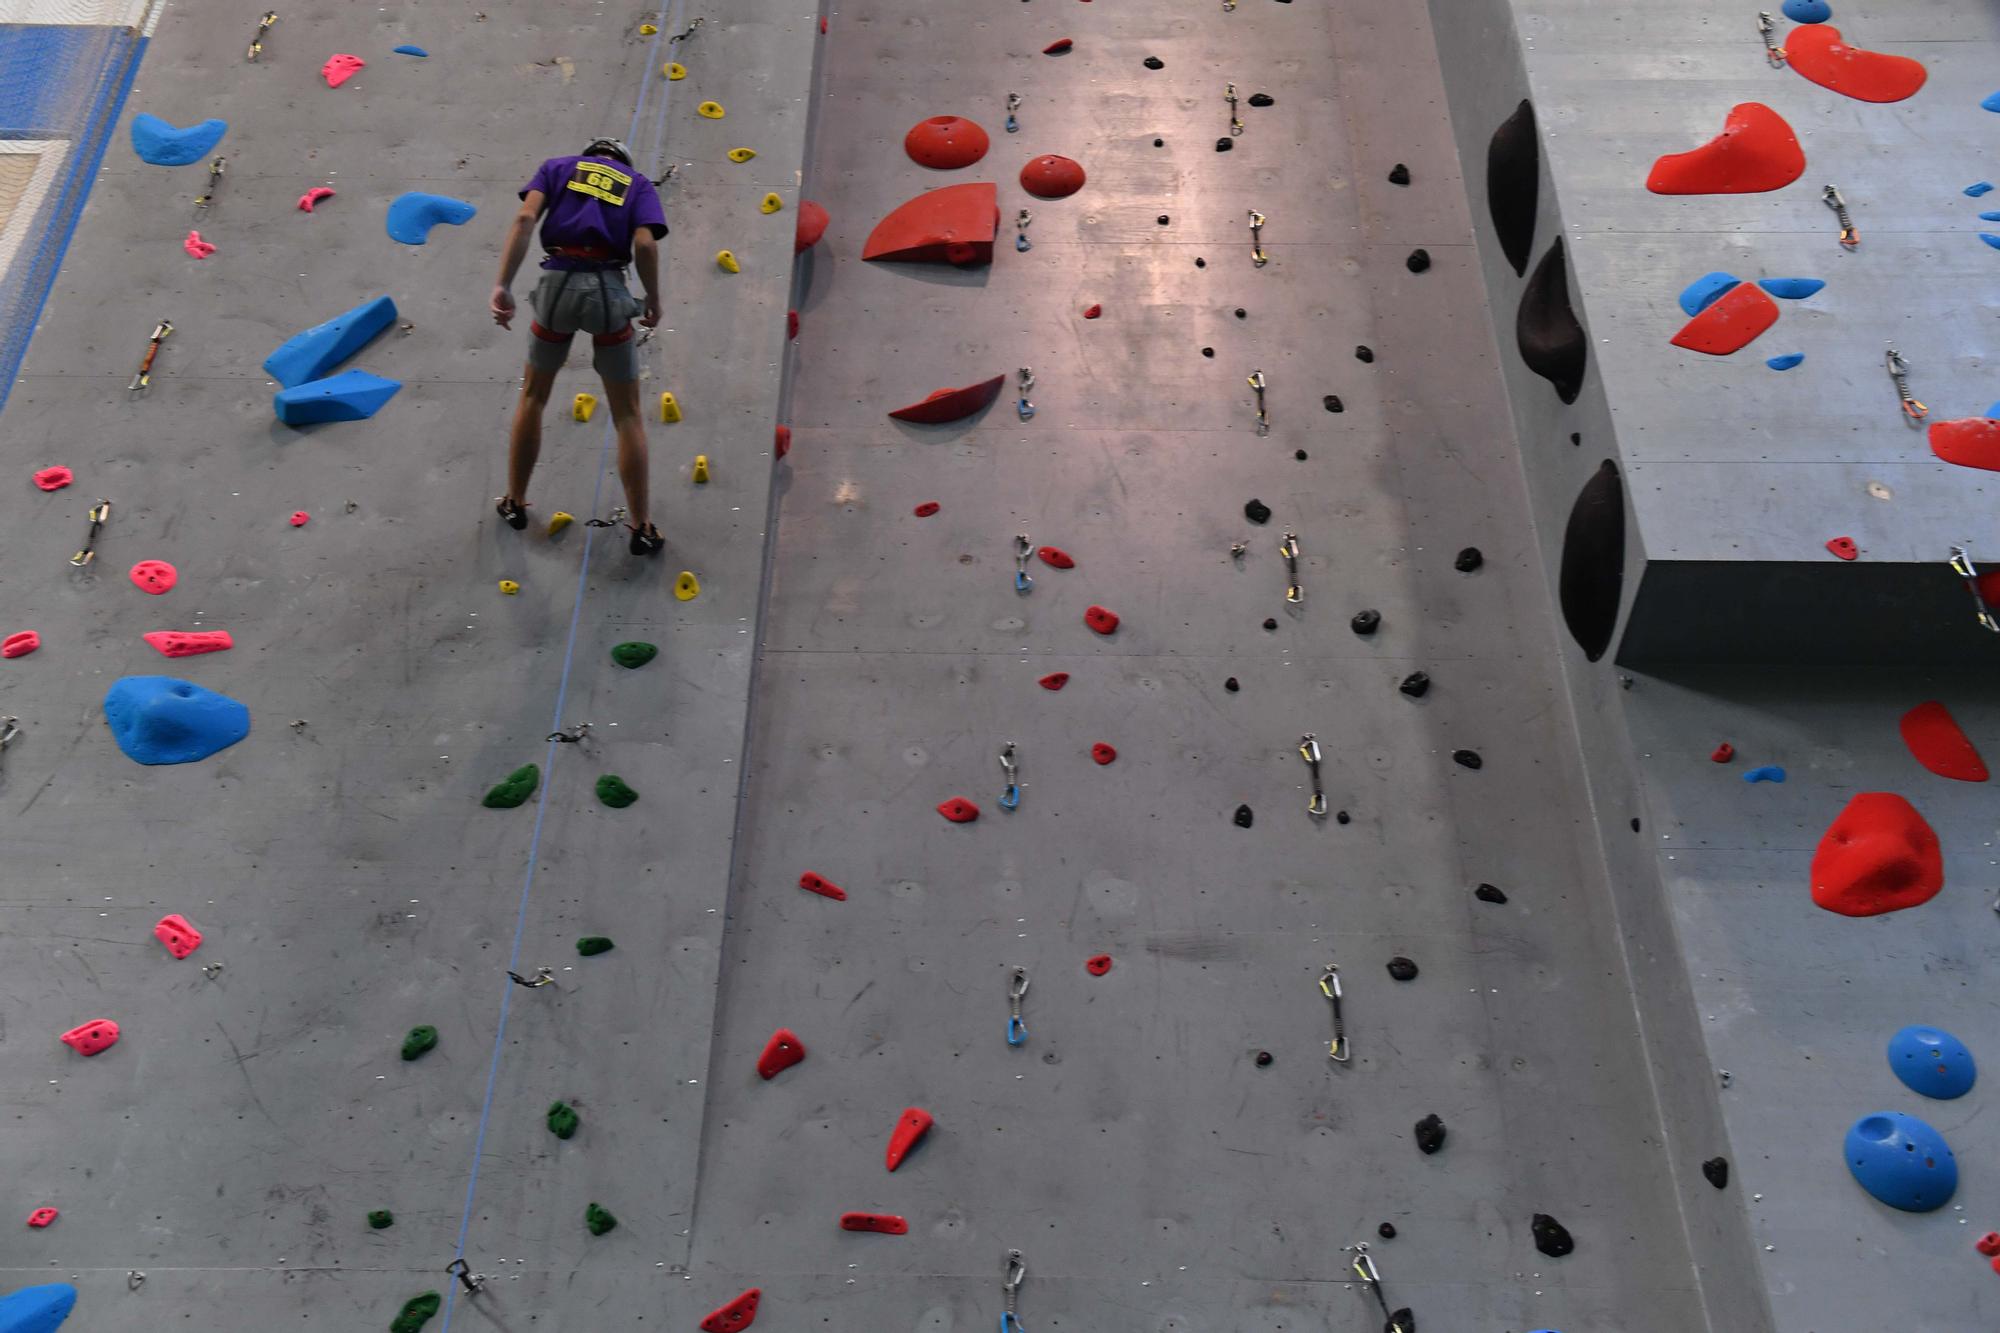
(1993, 412)
(165, 145)
(1705, 290)
(1990, 239)
(1792, 289)
(352, 395)
(161, 720)
(1808, 11)
(315, 352)
(1768, 773)
(1989, 217)
(407, 50)
(1974, 191)
(1787, 361)
(1991, 102)
(37, 1309)
(1902, 1161)
(412, 215)
(1933, 1062)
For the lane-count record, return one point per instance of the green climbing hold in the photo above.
(518, 787)
(563, 1120)
(381, 1218)
(611, 790)
(421, 1039)
(634, 655)
(592, 945)
(598, 1219)
(416, 1311)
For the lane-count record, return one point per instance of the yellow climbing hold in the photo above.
(710, 110)
(670, 408)
(701, 469)
(509, 587)
(727, 262)
(687, 587)
(771, 203)
(673, 69)
(586, 403)
(647, 30)
(742, 154)
(560, 520)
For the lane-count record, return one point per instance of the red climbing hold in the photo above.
(1102, 753)
(196, 246)
(312, 197)
(1968, 442)
(300, 518)
(1877, 856)
(1099, 619)
(781, 1052)
(54, 478)
(1052, 177)
(338, 69)
(180, 938)
(20, 645)
(1844, 547)
(1816, 52)
(945, 143)
(1755, 152)
(911, 1126)
(792, 325)
(99, 1034)
(189, 643)
(1055, 680)
(41, 1217)
(1097, 964)
(952, 404)
(926, 509)
(1093, 312)
(824, 887)
(822, 25)
(1722, 753)
(734, 1317)
(1988, 1244)
(784, 441)
(1732, 323)
(887, 1224)
(154, 576)
(952, 225)
(1938, 743)
(1055, 557)
(959, 810)
(1056, 48)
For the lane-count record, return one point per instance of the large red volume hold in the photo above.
(1938, 743)
(734, 1317)
(1755, 152)
(1877, 856)
(887, 1224)
(945, 143)
(1817, 53)
(911, 1126)
(951, 404)
(1968, 442)
(952, 225)
(959, 810)
(824, 887)
(1052, 176)
(781, 1052)
(1731, 324)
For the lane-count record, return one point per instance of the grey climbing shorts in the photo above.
(568, 302)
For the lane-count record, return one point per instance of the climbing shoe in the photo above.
(647, 541)
(516, 515)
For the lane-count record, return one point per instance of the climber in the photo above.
(598, 215)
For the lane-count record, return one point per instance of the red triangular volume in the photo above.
(781, 1052)
(1755, 152)
(1968, 442)
(734, 1317)
(1817, 53)
(954, 224)
(1879, 855)
(1731, 324)
(911, 1126)
(1938, 743)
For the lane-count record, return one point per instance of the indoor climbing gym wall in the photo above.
(1316, 667)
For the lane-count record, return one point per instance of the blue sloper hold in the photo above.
(1792, 289)
(1808, 11)
(412, 215)
(165, 145)
(1787, 361)
(161, 720)
(315, 352)
(39, 1309)
(1993, 412)
(1705, 290)
(352, 395)
(1768, 773)
(1974, 191)
(1989, 217)
(1932, 1062)
(1990, 239)
(1991, 102)
(408, 50)
(1902, 1161)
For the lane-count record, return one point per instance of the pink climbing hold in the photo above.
(41, 1217)
(54, 478)
(1055, 680)
(926, 509)
(180, 938)
(189, 643)
(1093, 312)
(1055, 557)
(1097, 964)
(300, 518)
(824, 887)
(20, 645)
(1102, 754)
(1101, 620)
(959, 810)
(196, 246)
(1844, 547)
(154, 576)
(312, 197)
(99, 1034)
(338, 69)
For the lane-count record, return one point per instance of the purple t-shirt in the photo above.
(594, 203)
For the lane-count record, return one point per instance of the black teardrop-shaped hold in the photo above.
(1224, 144)
(1546, 328)
(1416, 685)
(1468, 560)
(1154, 62)
(1592, 575)
(1489, 893)
(1387, 1231)
(1403, 969)
(1365, 622)
(1513, 183)
(1716, 1169)
(1552, 1237)
(1364, 354)
(1332, 403)
(1257, 512)
(1231, 685)
(1430, 1134)
(1262, 99)
(1418, 261)
(1467, 759)
(1244, 817)
(1399, 174)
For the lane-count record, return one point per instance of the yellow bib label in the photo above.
(600, 182)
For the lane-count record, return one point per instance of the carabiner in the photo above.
(1013, 1274)
(1899, 371)
(1296, 592)
(1017, 1031)
(1850, 235)
(1023, 548)
(1021, 222)
(1229, 96)
(1773, 53)
(1329, 986)
(99, 514)
(1013, 105)
(1024, 407)
(1309, 751)
(1010, 799)
(1258, 383)
(1257, 256)
(1961, 565)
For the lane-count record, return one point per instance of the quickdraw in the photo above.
(161, 332)
(1294, 592)
(1961, 565)
(1899, 371)
(1017, 989)
(1329, 986)
(1773, 53)
(683, 36)
(1013, 105)
(1023, 407)
(1364, 1268)
(215, 172)
(573, 736)
(470, 1280)
(1235, 124)
(1013, 1274)
(1010, 798)
(1257, 255)
(1309, 751)
(1258, 383)
(1023, 548)
(1850, 235)
(1021, 221)
(544, 976)
(100, 514)
(263, 26)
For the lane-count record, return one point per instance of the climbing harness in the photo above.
(1309, 751)
(1025, 408)
(574, 735)
(1961, 565)
(1329, 986)
(470, 1280)
(1017, 1031)
(1023, 548)
(683, 36)
(1773, 53)
(1257, 256)
(1010, 799)
(1850, 235)
(145, 375)
(1258, 383)
(1364, 1268)
(1013, 105)
(215, 170)
(1021, 222)
(1295, 592)
(1014, 1273)
(544, 976)
(1899, 371)
(100, 514)
(263, 26)
(1235, 124)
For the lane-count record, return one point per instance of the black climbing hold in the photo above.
(1231, 685)
(1419, 260)
(1163, 219)
(1159, 143)
(1257, 512)
(1513, 182)
(1244, 818)
(1201, 263)
(1332, 403)
(1592, 574)
(1416, 685)
(1365, 622)
(1263, 1058)
(1489, 893)
(1576, 437)
(598, 1219)
(1241, 313)
(1299, 454)
(592, 945)
(420, 1040)
(1364, 354)
(1403, 969)
(1342, 817)
(1154, 62)
(1468, 560)
(1262, 99)
(1399, 174)
(1546, 328)
(1402, 1321)
(563, 1120)
(1635, 823)
(1208, 351)
(1467, 758)
(1224, 144)
(1387, 1231)
(1552, 1237)
(416, 1311)
(1716, 1169)
(381, 1218)
(1430, 1134)
(1270, 622)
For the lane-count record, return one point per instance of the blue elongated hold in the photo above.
(1974, 191)
(1991, 102)
(352, 395)
(1993, 412)
(1932, 1062)
(166, 145)
(1768, 773)
(1705, 290)
(407, 50)
(412, 215)
(1989, 217)
(1902, 1161)
(161, 720)
(1787, 361)
(1990, 239)
(37, 1309)
(1808, 11)
(314, 353)
(1792, 289)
